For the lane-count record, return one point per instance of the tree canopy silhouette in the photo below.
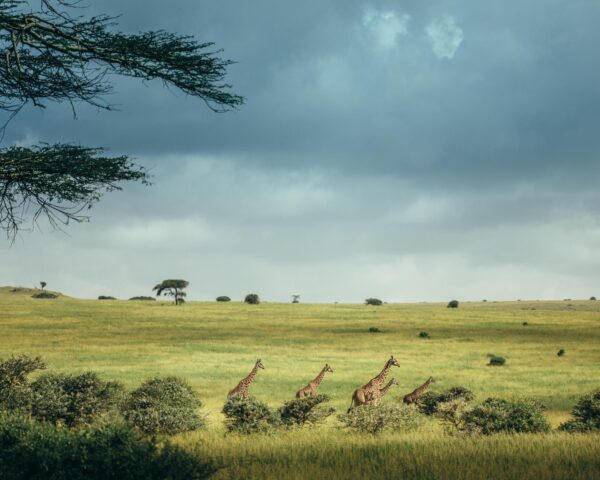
(53, 53)
(173, 288)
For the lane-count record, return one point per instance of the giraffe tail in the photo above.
(351, 405)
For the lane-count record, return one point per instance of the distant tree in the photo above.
(52, 53)
(43, 285)
(252, 299)
(223, 298)
(453, 304)
(172, 288)
(592, 298)
(295, 298)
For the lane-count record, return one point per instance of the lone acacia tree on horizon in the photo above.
(52, 53)
(172, 288)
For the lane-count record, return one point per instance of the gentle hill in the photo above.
(25, 291)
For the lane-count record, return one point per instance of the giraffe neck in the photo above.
(319, 378)
(379, 379)
(422, 388)
(250, 378)
(386, 388)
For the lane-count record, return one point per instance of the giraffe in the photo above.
(370, 390)
(413, 397)
(241, 389)
(311, 389)
(385, 389)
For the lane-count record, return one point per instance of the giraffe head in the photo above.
(430, 380)
(392, 362)
(259, 364)
(328, 368)
(393, 381)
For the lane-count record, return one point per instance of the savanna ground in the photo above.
(213, 345)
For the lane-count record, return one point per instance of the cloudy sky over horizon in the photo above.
(405, 150)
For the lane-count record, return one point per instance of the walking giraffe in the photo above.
(385, 389)
(413, 397)
(370, 390)
(241, 390)
(311, 389)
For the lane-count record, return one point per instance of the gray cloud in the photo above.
(410, 151)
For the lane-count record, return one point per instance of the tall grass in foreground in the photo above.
(320, 454)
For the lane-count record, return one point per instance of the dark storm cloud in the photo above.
(420, 149)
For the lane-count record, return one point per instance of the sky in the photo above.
(405, 150)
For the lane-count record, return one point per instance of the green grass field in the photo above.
(214, 344)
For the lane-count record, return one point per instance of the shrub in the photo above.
(163, 405)
(373, 301)
(430, 401)
(452, 304)
(593, 298)
(15, 390)
(30, 450)
(374, 330)
(587, 414)
(249, 416)
(376, 419)
(44, 294)
(144, 298)
(106, 297)
(73, 400)
(496, 361)
(307, 410)
(223, 298)
(423, 335)
(252, 299)
(496, 415)
(561, 352)
(525, 324)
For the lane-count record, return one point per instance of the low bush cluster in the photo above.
(423, 335)
(452, 304)
(163, 405)
(223, 298)
(305, 411)
(373, 301)
(32, 450)
(375, 419)
(496, 361)
(73, 400)
(106, 297)
(496, 415)
(15, 390)
(430, 401)
(249, 416)
(144, 298)
(374, 330)
(586, 413)
(44, 295)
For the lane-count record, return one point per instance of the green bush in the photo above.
(34, 451)
(430, 401)
(252, 299)
(73, 400)
(423, 335)
(496, 415)
(44, 294)
(376, 419)
(249, 416)
(15, 390)
(307, 410)
(587, 414)
(497, 361)
(223, 298)
(143, 298)
(374, 330)
(373, 301)
(106, 297)
(452, 304)
(163, 405)
(561, 352)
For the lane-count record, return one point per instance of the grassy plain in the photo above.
(214, 344)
